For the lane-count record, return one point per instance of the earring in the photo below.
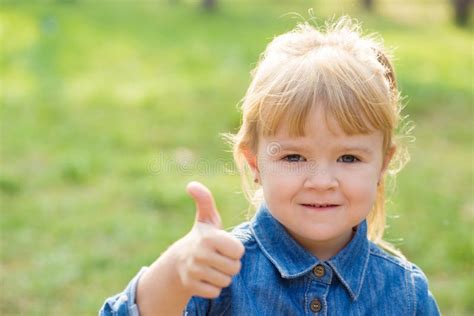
(255, 180)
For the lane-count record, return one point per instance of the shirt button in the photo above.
(315, 305)
(319, 271)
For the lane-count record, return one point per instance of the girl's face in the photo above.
(322, 185)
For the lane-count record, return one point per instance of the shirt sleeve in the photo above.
(123, 304)
(425, 303)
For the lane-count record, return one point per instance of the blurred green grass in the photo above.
(108, 110)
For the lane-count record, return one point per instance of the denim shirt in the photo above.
(280, 277)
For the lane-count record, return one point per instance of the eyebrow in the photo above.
(291, 146)
(356, 148)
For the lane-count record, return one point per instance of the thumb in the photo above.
(206, 211)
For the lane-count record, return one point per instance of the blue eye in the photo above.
(293, 158)
(348, 159)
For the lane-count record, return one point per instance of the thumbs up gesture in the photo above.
(208, 256)
(201, 263)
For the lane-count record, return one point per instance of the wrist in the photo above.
(160, 290)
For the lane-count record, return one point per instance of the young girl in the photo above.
(317, 138)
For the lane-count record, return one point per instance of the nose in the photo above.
(321, 179)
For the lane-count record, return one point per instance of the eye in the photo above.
(293, 158)
(348, 159)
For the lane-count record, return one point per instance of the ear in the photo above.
(386, 160)
(251, 159)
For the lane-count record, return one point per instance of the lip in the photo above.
(320, 207)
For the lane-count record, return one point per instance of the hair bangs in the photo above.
(357, 99)
(290, 99)
(346, 92)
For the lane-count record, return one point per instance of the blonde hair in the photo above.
(347, 74)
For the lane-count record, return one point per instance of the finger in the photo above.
(206, 290)
(206, 211)
(229, 246)
(215, 278)
(223, 264)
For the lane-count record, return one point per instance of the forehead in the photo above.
(320, 128)
(317, 121)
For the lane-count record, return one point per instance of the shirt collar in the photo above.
(292, 260)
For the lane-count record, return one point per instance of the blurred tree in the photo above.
(209, 4)
(461, 11)
(368, 4)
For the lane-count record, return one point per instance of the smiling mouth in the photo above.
(320, 206)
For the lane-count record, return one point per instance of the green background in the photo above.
(109, 108)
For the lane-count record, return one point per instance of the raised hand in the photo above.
(201, 263)
(208, 256)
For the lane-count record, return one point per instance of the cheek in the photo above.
(280, 184)
(361, 189)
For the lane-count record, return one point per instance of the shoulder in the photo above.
(424, 300)
(380, 256)
(244, 233)
(414, 279)
(387, 261)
